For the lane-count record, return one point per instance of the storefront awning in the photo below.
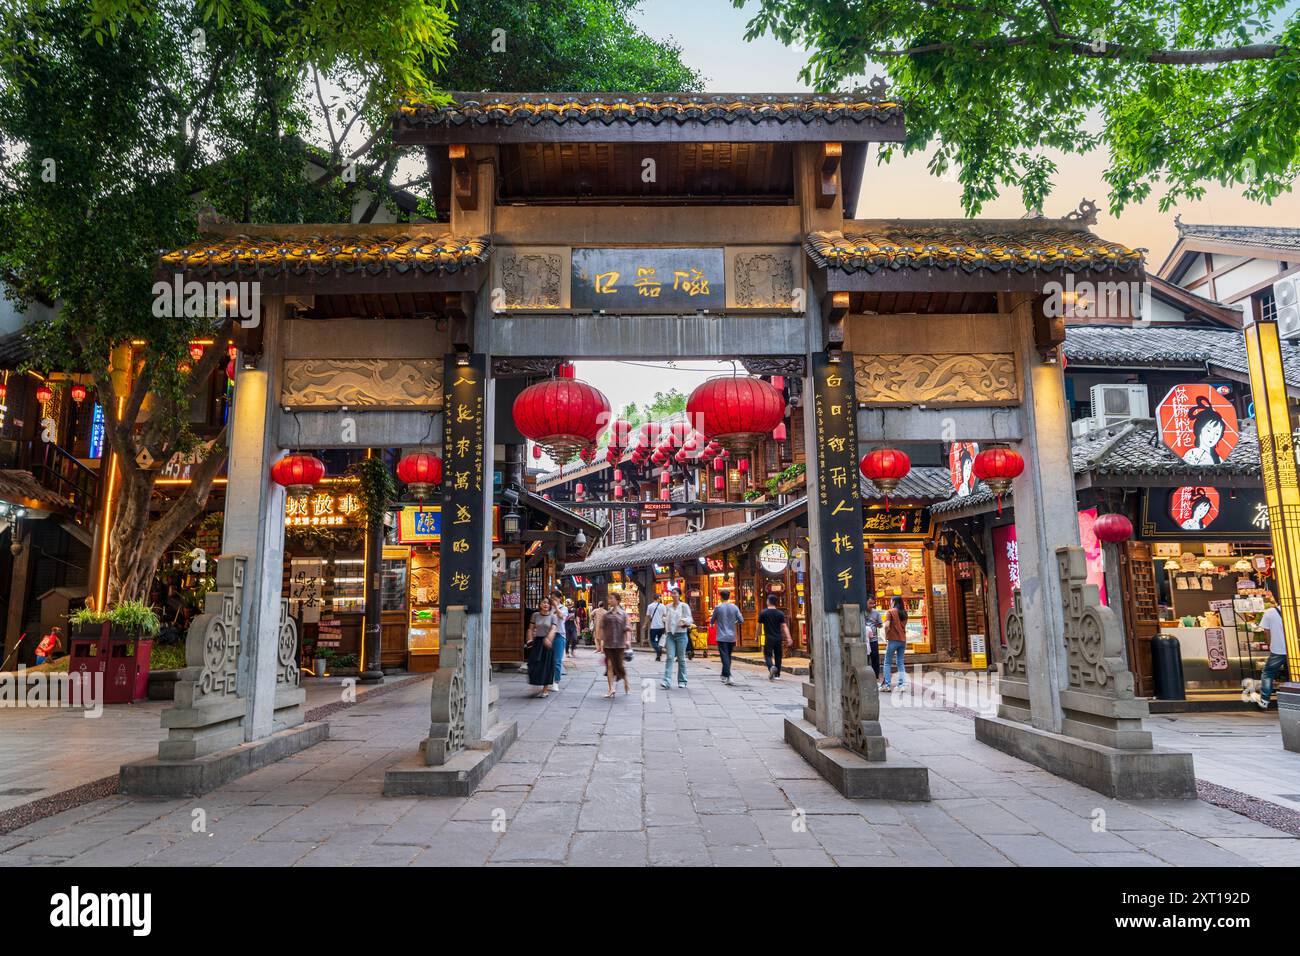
(677, 548)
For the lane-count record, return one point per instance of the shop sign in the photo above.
(891, 559)
(305, 588)
(1166, 549)
(838, 495)
(1216, 648)
(1198, 424)
(181, 464)
(774, 558)
(324, 509)
(1220, 549)
(899, 522)
(648, 280)
(798, 560)
(961, 467)
(1200, 510)
(979, 658)
(461, 545)
(423, 525)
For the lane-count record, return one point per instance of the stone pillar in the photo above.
(826, 666)
(996, 613)
(1046, 519)
(480, 692)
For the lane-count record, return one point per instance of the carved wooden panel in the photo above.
(383, 383)
(764, 277)
(984, 378)
(531, 278)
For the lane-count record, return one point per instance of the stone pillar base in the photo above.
(459, 776)
(156, 777)
(1288, 712)
(1149, 774)
(893, 778)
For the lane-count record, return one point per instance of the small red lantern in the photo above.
(196, 351)
(719, 482)
(997, 467)
(742, 466)
(566, 370)
(659, 458)
(779, 433)
(620, 433)
(665, 477)
(680, 457)
(537, 451)
(1113, 528)
(618, 491)
(298, 473)
(588, 454)
(611, 455)
(885, 467)
(737, 412)
(579, 490)
(44, 393)
(230, 370)
(665, 493)
(420, 472)
(4, 392)
(232, 351)
(78, 393)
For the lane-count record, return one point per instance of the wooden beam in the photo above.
(837, 309)
(830, 168)
(464, 177)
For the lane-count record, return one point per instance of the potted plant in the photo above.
(321, 663)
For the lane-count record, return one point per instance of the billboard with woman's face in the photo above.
(1198, 424)
(961, 466)
(1194, 508)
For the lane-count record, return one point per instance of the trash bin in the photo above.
(1167, 668)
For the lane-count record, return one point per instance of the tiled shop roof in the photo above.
(676, 548)
(327, 252)
(507, 109)
(926, 483)
(1280, 238)
(21, 488)
(1117, 345)
(968, 245)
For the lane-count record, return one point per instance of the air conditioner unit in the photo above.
(1286, 299)
(1117, 403)
(1082, 427)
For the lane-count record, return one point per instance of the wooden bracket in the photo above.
(464, 176)
(1049, 331)
(459, 307)
(830, 168)
(836, 312)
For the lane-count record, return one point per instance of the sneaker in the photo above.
(728, 681)
(771, 673)
(682, 685)
(1262, 701)
(664, 684)
(885, 688)
(776, 676)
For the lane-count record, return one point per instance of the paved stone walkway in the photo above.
(692, 777)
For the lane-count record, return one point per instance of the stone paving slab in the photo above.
(696, 777)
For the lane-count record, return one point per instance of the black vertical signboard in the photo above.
(839, 496)
(460, 577)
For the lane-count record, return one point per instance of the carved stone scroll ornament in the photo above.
(1013, 682)
(212, 643)
(384, 383)
(532, 280)
(287, 673)
(448, 695)
(764, 280)
(860, 700)
(982, 378)
(792, 366)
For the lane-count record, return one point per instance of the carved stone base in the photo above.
(458, 776)
(1150, 774)
(156, 777)
(895, 778)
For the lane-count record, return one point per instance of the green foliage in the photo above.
(167, 657)
(85, 617)
(135, 617)
(665, 404)
(378, 488)
(1178, 93)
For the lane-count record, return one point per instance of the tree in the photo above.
(1186, 92)
(665, 404)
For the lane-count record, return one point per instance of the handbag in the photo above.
(628, 655)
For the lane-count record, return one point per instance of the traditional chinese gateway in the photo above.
(661, 227)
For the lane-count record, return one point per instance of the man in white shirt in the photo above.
(656, 615)
(1276, 663)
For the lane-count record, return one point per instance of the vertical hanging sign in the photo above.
(464, 504)
(839, 496)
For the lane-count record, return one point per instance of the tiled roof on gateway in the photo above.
(968, 245)
(329, 252)
(1217, 348)
(1281, 238)
(506, 109)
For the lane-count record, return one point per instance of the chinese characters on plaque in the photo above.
(648, 280)
(464, 504)
(839, 499)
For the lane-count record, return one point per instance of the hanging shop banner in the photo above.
(839, 500)
(961, 467)
(1200, 510)
(1198, 424)
(774, 558)
(461, 548)
(896, 522)
(648, 280)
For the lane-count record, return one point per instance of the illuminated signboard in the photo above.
(424, 525)
(324, 509)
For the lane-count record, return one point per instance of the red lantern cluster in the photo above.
(885, 468)
(997, 467)
(299, 474)
(1113, 528)
(736, 412)
(421, 472)
(562, 415)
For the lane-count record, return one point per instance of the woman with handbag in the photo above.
(895, 643)
(615, 629)
(541, 648)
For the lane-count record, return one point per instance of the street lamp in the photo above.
(510, 524)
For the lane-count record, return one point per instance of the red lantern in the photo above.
(665, 477)
(566, 370)
(736, 412)
(579, 490)
(611, 455)
(885, 467)
(230, 370)
(1113, 528)
(618, 491)
(997, 467)
(680, 457)
(561, 415)
(620, 433)
(719, 464)
(719, 482)
(659, 458)
(44, 393)
(778, 433)
(78, 393)
(537, 451)
(742, 466)
(647, 434)
(298, 473)
(420, 472)
(665, 493)
(588, 454)
(196, 351)
(678, 432)
(232, 350)
(4, 392)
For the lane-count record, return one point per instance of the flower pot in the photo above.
(319, 665)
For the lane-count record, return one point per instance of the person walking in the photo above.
(48, 645)
(570, 630)
(654, 617)
(541, 648)
(726, 621)
(895, 643)
(615, 630)
(677, 638)
(1276, 663)
(776, 635)
(561, 613)
(874, 624)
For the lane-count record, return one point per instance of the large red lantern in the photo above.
(997, 467)
(562, 415)
(44, 393)
(78, 393)
(885, 467)
(736, 412)
(1113, 528)
(420, 472)
(298, 473)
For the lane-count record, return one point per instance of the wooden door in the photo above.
(1141, 612)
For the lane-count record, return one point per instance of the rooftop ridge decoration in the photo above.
(1020, 245)
(328, 250)
(655, 108)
